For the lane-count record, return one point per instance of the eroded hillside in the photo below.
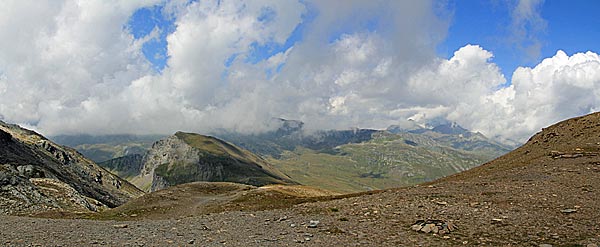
(37, 175)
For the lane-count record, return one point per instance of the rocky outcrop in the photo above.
(187, 157)
(126, 166)
(37, 174)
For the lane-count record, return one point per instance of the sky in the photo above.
(505, 68)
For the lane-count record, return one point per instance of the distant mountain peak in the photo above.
(451, 129)
(286, 127)
(405, 126)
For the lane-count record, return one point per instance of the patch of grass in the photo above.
(209, 144)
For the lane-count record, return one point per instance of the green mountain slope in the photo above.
(388, 160)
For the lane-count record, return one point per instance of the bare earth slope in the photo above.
(201, 198)
(544, 193)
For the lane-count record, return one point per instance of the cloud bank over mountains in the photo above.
(74, 67)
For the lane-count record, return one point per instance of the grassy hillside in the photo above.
(388, 160)
(201, 198)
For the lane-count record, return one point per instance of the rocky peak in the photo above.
(287, 127)
(405, 126)
(188, 157)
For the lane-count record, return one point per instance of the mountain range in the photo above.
(338, 160)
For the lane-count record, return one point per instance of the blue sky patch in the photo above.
(488, 25)
(473, 22)
(142, 23)
(260, 52)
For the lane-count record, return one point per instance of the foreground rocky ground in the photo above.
(542, 194)
(526, 212)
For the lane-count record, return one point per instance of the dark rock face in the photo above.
(7, 178)
(126, 166)
(30, 171)
(38, 175)
(288, 127)
(5, 137)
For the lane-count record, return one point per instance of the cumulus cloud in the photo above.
(58, 55)
(558, 88)
(75, 69)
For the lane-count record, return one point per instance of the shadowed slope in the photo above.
(39, 175)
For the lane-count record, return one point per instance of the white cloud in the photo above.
(356, 65)
(464, 77)
(70, 67)
(558, 88)
(55, 55)
(467, 89)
